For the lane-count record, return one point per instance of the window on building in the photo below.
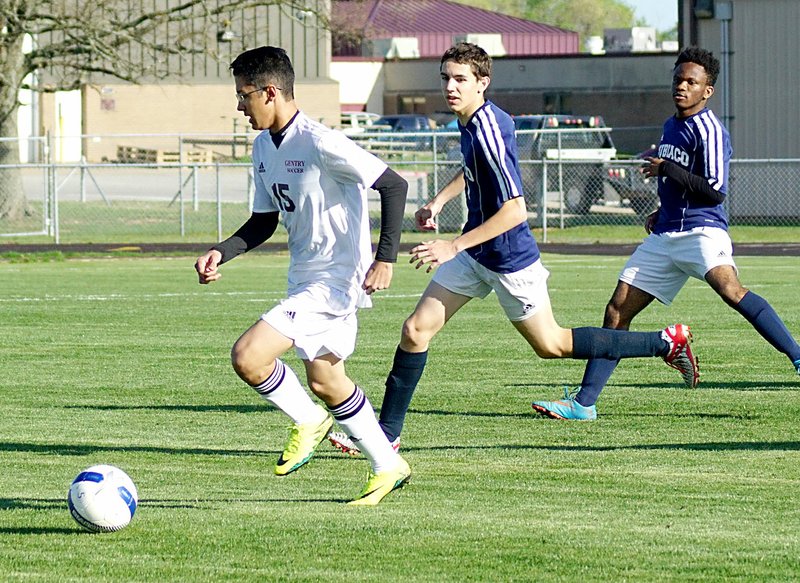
(558, 103)
(411, 104)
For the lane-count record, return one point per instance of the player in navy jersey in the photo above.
(315, 180)
(495, 252)
(688, 233)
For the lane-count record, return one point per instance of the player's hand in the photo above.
(650, 221)
(650, 170)
(379, 276)
(207, 266)
(425, 219)
(433, 253)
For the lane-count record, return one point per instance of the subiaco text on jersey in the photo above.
(699, 144)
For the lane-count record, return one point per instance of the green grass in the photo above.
(125, 361)
(131, 222)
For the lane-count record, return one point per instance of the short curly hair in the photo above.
(469, 54)
(702, 57)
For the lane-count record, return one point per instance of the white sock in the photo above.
(358, 420)
(283, 389)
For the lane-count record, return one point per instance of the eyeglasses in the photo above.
(242, 96)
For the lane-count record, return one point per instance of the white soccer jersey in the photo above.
(318, 180)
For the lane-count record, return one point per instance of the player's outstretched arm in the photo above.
(379, 276)
(393, 190)
(426, 216)
(434, 253)
(257, 229)
(207, 266)
(697, 187)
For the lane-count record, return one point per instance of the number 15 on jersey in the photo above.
(279, 191)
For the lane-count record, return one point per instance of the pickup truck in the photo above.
(631, 185)
(584, 157)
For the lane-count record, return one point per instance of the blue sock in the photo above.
(590, 343)
(400, 385)
(595, 377)
(762, 316)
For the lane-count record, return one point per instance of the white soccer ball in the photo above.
(102, 498)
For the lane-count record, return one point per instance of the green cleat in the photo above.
(303, 440)
(380, 484)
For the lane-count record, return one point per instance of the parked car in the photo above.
(631, 185)
(406, 122)
(358, 122)
(416, 129)
(584, 156)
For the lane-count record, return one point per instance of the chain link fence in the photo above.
(170, 195)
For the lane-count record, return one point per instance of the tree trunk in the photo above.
(12, 195)
(12, 71)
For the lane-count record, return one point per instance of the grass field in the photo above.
(125, 361)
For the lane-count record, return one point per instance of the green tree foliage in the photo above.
(586, 17)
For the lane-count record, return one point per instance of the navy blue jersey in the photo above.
(700, 145)
(491, 172)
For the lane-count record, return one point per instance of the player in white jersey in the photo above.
(315, 180)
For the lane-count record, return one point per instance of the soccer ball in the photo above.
(102, 498)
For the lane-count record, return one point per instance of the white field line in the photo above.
(261, 296)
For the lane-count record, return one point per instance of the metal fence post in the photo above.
(544, 200)
(251, 188)
(219, 203)
(195, 196)
(435, 166)
(83, 178)
(182, 218)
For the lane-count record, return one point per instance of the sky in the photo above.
(662, 14)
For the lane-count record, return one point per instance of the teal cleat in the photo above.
(797, 365)
(569, 408)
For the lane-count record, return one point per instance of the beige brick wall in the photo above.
(111, 110)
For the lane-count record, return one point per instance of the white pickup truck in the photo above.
(577, 150)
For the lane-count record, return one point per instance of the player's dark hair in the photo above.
(469, 54)
(266, 66)
(702, 57)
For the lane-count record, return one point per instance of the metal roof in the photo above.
(436, 22)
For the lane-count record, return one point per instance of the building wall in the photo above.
(360, 84)
(120, 112)
(628, 92)
(198, 96)
(762, 81)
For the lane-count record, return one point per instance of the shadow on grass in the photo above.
(438, 412)
(61, 449)
(531, 414)
(42, 530)
(36, 504)
(214, 502)
(260, 408)
(33, 503)
(732, 386)
(89, 449)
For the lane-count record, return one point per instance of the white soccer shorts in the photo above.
(520, 293)
(663, 263)
(315, 319)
